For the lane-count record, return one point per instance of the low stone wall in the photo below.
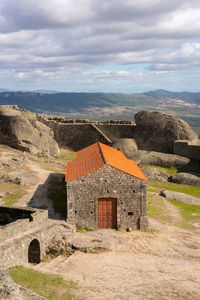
(16, 237)
(23, 220)
(9, 214)
(187, 149)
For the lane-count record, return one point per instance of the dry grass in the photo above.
(15, 192)
(58, 164)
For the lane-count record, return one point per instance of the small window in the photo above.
(130, 213)
(75, 212)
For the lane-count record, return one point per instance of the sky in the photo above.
(100, 45)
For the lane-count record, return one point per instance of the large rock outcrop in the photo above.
(156, 174)
(21, 130)
(180, 197)
(156, 131)
(185, 178)
(163, 159)
(128, 147)
(166, 160)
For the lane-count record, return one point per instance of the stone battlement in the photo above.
(83, 121)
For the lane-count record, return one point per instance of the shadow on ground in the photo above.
(51, 196)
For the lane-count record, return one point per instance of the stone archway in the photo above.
(34, 252)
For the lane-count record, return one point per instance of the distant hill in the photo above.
(68, 102)
(104, 106)
(3, 90)
(53, 101)
(186, 96)
(46, 91)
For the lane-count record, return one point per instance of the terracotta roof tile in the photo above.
(86, 161)
(95, 156)
(118, 160)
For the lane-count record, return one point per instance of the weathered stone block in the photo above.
(143, 223)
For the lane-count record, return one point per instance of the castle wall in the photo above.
(80, 135)
(187, 149)
(117, 131)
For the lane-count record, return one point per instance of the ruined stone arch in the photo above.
(34, 253)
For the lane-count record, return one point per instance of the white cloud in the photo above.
(48, 35)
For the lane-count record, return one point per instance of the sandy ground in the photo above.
(161, 264)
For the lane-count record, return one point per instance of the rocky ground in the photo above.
(163, 263)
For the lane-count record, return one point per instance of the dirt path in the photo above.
(172, 211)
(42, 176)
(37, 195)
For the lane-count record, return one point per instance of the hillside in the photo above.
(185, 96)
(70, 102)
(107, 105)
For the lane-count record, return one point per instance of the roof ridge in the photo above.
(101, 151)
(97, 155)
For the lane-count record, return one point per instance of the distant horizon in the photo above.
(2, 90)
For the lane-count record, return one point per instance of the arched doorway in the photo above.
(34, 252)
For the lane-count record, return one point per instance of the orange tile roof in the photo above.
(97, 155)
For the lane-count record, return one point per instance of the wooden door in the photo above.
(107, 213)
